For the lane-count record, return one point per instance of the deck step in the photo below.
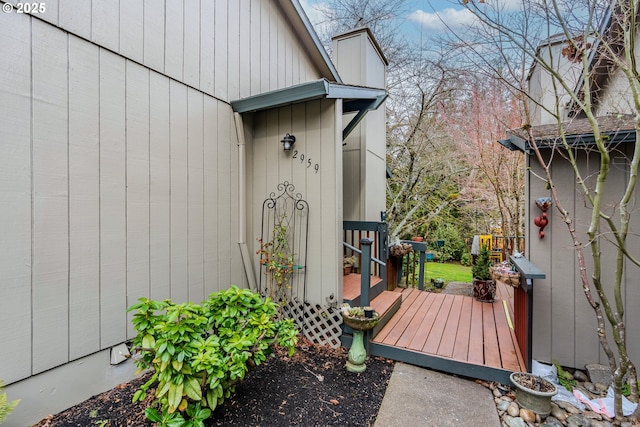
(387, 303)
(351, 288)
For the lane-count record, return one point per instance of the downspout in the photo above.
(242, 198)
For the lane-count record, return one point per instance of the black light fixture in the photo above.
(288, 141)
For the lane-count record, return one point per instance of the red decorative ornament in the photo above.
(544, 203)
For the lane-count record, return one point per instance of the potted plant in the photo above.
(533, 392)
(348, 262)
(484, 288)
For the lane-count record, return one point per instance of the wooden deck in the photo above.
(453, 333)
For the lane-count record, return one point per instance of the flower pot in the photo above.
(533, 392)
(418, 239)
(347, 269)
(484, 290)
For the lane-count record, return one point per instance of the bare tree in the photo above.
(599, 44)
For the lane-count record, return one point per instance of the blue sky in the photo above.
(420, 15)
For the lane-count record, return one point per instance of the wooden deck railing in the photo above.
(405, 267)
(523, 305)
(369, 241)
(355, 231)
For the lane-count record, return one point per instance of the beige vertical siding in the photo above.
(113, 237)
(564, 323)
(316, 126)
(118, 182)
(50, 247)
(159, 187)
(119, 163)
(84, 200)
(15, 198)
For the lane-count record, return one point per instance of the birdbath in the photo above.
(360, 320)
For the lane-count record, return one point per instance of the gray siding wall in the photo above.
(225, 48)
(317, 126)
(564, 324)
(118, 162)
(113, 185)
(364, 173)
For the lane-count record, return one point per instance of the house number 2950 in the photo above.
(305, 160)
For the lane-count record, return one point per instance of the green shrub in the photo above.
(465, 259)
(198, 353)
(5, 406)
(454, 245)
(480, 269)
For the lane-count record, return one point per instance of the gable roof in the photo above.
(601, 67)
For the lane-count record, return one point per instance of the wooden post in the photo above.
(365, 273)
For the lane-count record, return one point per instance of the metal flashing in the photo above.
(356, 98)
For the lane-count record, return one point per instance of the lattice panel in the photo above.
(319, 324)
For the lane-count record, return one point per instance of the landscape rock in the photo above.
(580, 376)
(514, 422)
(527, 415)
(577, 420)
(503, 405)
(552, 422)
(513, 409)
(567, 407)
(599, 373)
(601, 388)
(591, 415)
(558, 413)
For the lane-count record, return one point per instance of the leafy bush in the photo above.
(5, 406)
(465, 259)
(454, 245)
(200, 352)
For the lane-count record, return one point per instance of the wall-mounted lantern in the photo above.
(544, 203)
(288, 141)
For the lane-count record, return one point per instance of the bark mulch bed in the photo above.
(311, 388)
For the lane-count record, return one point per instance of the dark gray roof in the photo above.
(578, 133)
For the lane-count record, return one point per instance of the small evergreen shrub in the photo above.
(480, 269)
(199, 352)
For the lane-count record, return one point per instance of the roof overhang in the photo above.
(578, 133)
(356, 99)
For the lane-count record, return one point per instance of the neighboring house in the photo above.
(564, 325)
(138, 141)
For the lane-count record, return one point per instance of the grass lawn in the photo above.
(449, 272)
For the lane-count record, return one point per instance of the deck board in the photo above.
(414, 324)
(448, 341)
(435, 336)
(508, 355)
(400, 328)
(455, 327)
(461, 348)
(491, 348)
(351, 285)
(407, 300)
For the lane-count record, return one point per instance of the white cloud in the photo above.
(439, 21)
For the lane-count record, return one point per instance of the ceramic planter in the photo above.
(533, 392)
(484, 290)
